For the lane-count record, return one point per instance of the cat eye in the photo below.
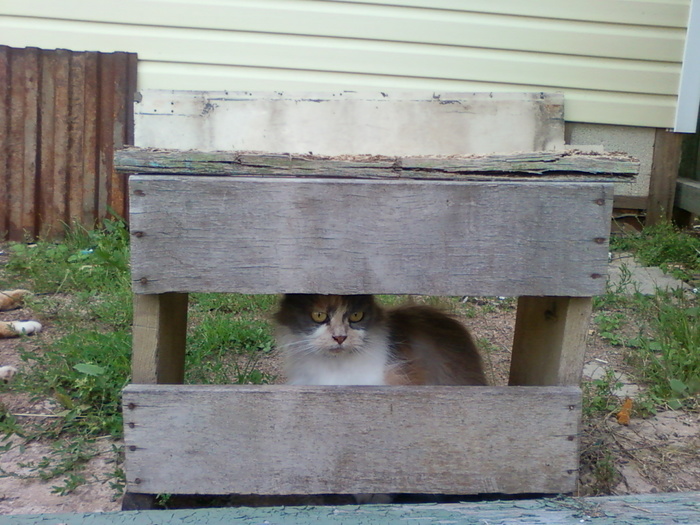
(319, 317)
(356, 316)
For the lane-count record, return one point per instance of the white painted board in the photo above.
(350, 123)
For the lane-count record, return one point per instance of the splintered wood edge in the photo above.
(567, 165)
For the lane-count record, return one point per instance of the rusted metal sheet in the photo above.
(62, 114)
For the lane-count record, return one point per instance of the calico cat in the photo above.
(351, 340)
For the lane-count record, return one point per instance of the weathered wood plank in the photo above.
(314, 440)
(274, 235)
(160, 328)
(550, 165)
(550, 340)
(664, 171)
(79, 193)
(351, 123)
(23, 137)
(688, 195)
(638, 509)
(5, 112)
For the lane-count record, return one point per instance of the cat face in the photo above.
(332, 325)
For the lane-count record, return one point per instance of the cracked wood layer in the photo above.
(641, 509)
(561, 166)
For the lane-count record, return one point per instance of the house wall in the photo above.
(616, 61)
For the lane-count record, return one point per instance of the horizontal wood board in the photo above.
(688, 195)
(342, 123)
(540, 165)
(274, 235)
(313, 440)
(632, 509)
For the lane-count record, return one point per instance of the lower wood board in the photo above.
(641, 509)
(313, 440)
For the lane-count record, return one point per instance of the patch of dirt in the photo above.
(660, 454)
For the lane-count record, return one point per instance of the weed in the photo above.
(669, 360)
(599, 395)
(609, 325)
(663, 245)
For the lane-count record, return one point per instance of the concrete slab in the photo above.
(626, 275)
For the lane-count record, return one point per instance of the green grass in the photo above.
(82, 360)
(676, 251)
(664, 351)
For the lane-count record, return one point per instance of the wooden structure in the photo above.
(529, 225)
(640, 509)
(62, 114)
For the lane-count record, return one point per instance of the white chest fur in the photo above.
(366, 367)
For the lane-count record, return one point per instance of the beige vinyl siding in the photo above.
(616, 61)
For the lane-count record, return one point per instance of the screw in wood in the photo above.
(131, 406)
(600, 240)
(143, 281)
(138, 234)
(139, 193)
(137, 481)
(132, 448)
(596, 275)
(600, 202)
(132, 424)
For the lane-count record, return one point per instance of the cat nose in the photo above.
(340, 338)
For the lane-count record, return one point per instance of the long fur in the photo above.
(409, 345)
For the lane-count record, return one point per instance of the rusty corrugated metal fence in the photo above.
(62, 113)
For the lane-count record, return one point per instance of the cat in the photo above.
(352, 340)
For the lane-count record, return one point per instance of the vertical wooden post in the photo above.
(549, 342)
(160, 328)
(664, 172)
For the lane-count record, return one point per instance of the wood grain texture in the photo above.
(688, 195)
(272, 235)
(5, 72)
(541, 165)
(345, 123)
(314, 440)
(664, 171)
(160, 327)
(57, 107)
(636, 509)
(550, 340)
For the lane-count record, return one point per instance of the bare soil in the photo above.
(659, 454)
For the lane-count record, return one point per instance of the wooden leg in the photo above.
(160, 328)
(550, 341)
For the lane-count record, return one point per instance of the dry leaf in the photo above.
(623, 416)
